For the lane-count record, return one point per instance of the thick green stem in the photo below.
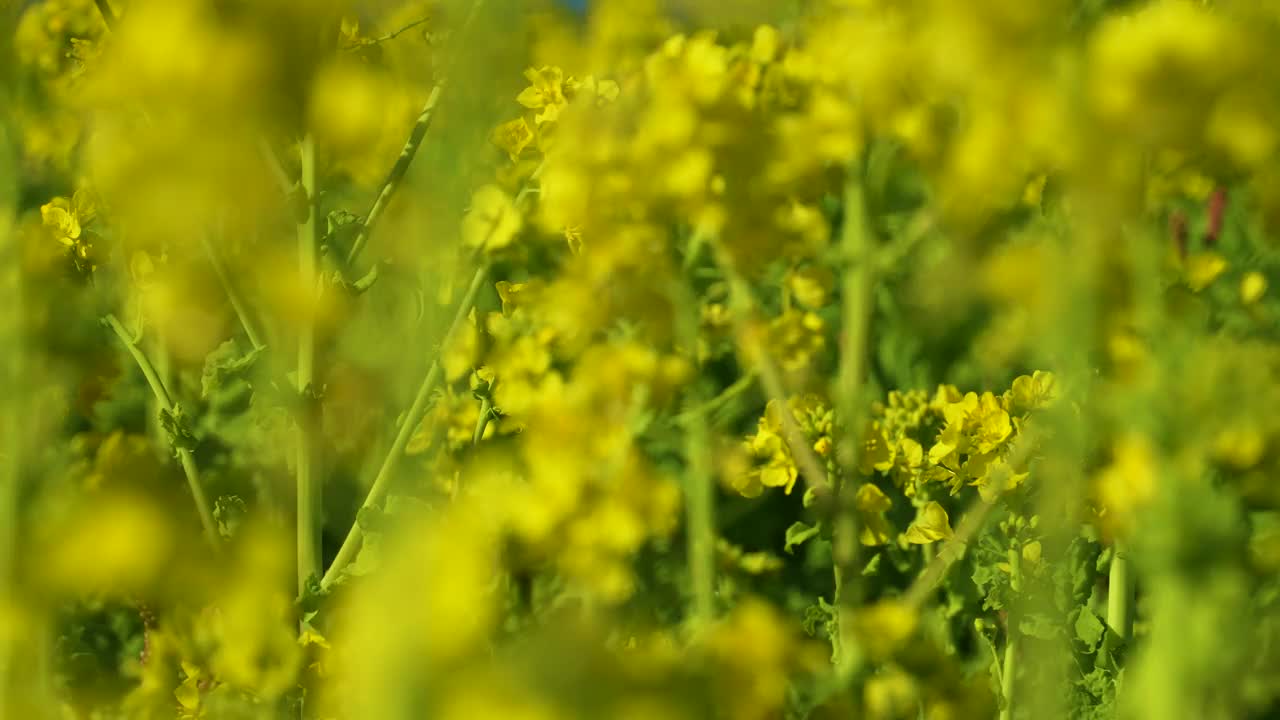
(382, 482)
(1119, 597)
(482, 422)
(307, 486)
(165, 402)
(1009, 672)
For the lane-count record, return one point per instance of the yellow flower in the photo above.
(188, 693)
(512, 137)
(67, 221)
(811, 286)
(545, 93)
(61, 218)
(931, 525)
(871, 504)
(992, 425)
(1031, 392)
(493, 221)
(1129, 482)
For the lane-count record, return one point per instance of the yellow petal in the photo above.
(931, 525)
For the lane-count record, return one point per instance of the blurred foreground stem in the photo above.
(166, 404)
(856, 245)
(700, 489)
(382, 481)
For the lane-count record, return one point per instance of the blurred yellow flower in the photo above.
(493, 221)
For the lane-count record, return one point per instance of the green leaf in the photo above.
(799, 533)
(873, 565)
(225, 365)
(228, 511)
(1090, 629)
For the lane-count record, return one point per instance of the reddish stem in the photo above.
(1178, 230)
(1217, 209)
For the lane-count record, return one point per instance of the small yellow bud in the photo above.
(1252, 287)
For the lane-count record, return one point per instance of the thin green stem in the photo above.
(411, 146)
(308, 490)
(382, 481)
(396, 176)
(166, 404)
(237, 301)
(699, 413)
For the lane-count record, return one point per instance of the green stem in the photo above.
(396, 176)
(699, 413)
(482, 422)
(401, 167)
(382, 482)
(701, 520)
(1011, 646)
(1119, 597)
(308, 491)
(166, 404)
(856, 244)
(237, 301)
(108, 15)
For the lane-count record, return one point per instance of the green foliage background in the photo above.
(817, 359)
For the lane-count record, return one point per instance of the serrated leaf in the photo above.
(799, 533)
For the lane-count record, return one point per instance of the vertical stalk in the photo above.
(700, 508)
(308, 530)
(856, 245)
(1119, 596)
(12, 442)
(482, 422)
(1011, 644)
